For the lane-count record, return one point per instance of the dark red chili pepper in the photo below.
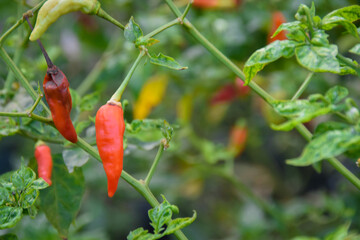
(277, 18)
(57, 94)
(110, 128)
(44, 161)
(230, 92)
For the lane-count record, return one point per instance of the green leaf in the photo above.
(39, 184)
(263, 56)
(355, 49)
(329, 144)
(88, 102)
(9, 236)
(132, 31)
(61, 201)
(318, 59)
(148, 129)
(32, 211)
(328, 126)
(350, 13)
(213, 152)
(320, 38)
(331, 22)
(336, 94)
(4, 195)
(141, 234)
(75, 157)
(299, 111)
(179, 223)
(165, 61)
(10, 216)
(23, 177)
(161, 215)
(28, 197)
(80, 126)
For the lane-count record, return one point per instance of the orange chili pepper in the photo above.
(277, 18)
(110, 128)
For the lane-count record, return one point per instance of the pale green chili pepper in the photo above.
(53, 9)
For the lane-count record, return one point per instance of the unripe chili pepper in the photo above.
(53, 9)
(44, 161)
(110, 128)
(57, 94)
(277, 18)
(238, 137)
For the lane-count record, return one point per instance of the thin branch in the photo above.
(303, 86)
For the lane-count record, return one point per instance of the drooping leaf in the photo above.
(166, 61)
(132, 31)
(75, 157)
(263, 56)
(179, 223)
(294, 29)
(318, 59)
(61, 201)
(9, 216)
(329, 144)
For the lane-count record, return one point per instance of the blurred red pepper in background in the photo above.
(277, 18)
(230, 92)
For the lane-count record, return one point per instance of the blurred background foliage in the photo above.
(233, 192)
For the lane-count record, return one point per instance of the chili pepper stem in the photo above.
(46, 56)
(119, 92)
(101, 13)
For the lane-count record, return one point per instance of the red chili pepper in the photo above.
(57, 94)
(205, 3)
(44, 161)
(110, 127)
(277, 19)
(242, 90)
(238, 137)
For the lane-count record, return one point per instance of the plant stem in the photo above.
(186, 10)
(221, 57)
(101, 13)
(18, 74)
(40, 137)
(119, 92)
(46, 56)
(19, 22)
(155, 163)
(27, 115)
(310, 22)
(303, 86)
(162, 28)
(35, 104)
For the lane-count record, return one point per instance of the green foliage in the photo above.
(132, 31)
(301, 111)
(307, 38)
(148, 129)
(165, 61)
(162, 223)
(62, 201)
(18, 193)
